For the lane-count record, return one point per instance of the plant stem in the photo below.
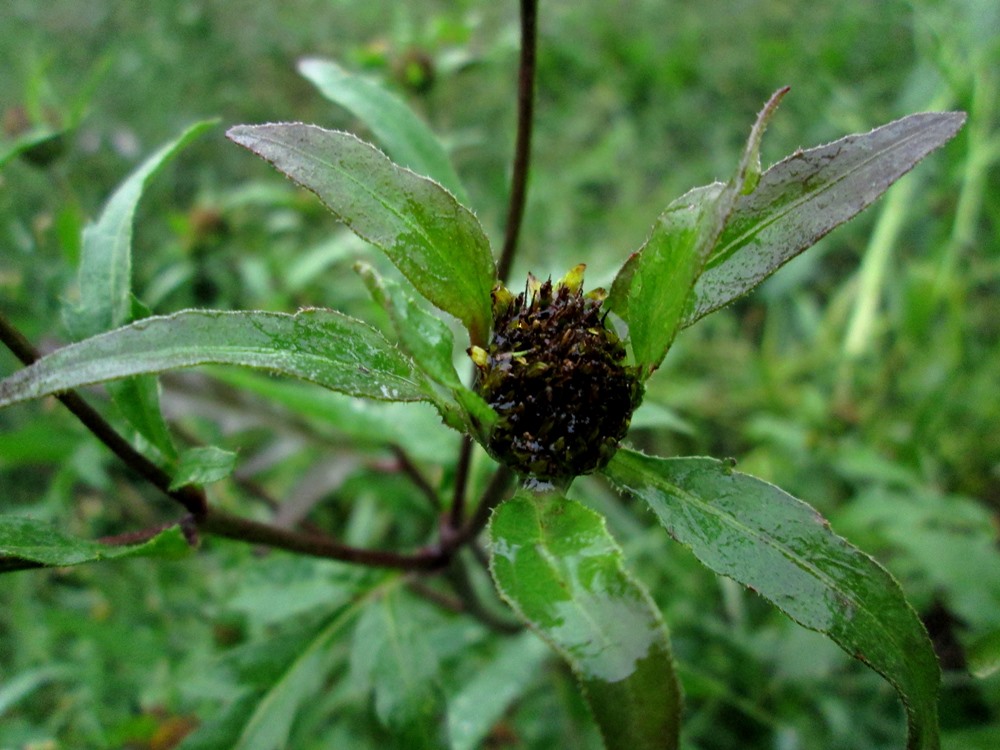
(190, 497)
(416, 476)
(492, 496)
(457, 512)
(207, 520)
(522, 146)
(220, 523)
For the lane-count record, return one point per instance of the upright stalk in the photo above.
(522, 146)
(515, 211)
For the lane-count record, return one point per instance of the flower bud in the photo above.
(556, 376)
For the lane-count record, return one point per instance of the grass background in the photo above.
(862, 378)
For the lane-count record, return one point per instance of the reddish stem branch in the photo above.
(220, 523)
(522, 146)
(190, 497)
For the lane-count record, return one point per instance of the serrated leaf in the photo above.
(485, 698)
(764, 538)
(652, 289)
(321, 346)
(105, 278)
(397, 127)
(429, 341)
(40, 542)
(432, 239)
(202, 465)
(555, 563)
(803, 197)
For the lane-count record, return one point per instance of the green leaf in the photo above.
(397, 127)
(434, 241)
(19, 687)
(105, 278)
(555, 563)
(485, 698)
(105, 284)
(651, 290)
(429, 341)
(40, 542)
(984, 655)
(203, 465)
(321, 346)
(391, 652)
(802, 198)
(268, 726)
(39, 137)
(764, 538)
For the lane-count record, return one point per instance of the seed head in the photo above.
(556, 376)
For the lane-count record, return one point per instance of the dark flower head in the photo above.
(556, 376)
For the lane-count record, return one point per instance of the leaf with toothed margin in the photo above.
(432, 239)
(751, 531)
(320, 346)
(393, 123)
(555, 563)
(805, 196)
(33, 541)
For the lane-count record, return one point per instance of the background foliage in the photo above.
(861, 378)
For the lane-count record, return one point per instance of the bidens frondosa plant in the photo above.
(551, 395)
(555, 374)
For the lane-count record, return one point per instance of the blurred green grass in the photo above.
(882, 415)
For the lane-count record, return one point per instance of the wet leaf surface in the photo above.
(556, 564)
(321, 346)
(803, 197)
(755, 533)
(435, 242)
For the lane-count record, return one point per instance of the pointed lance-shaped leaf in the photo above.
(764, 538)
(432, 239)
(320, 346)
(652, 288)
(394, 124)
(803, 197)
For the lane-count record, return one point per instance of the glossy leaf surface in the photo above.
(764, 538)
(651, 290)
(404, 135)
(653, 287)
(429, 341)
(434, 241)
(40, 542)
(803, 197)
(556, 564)
(321, 346)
